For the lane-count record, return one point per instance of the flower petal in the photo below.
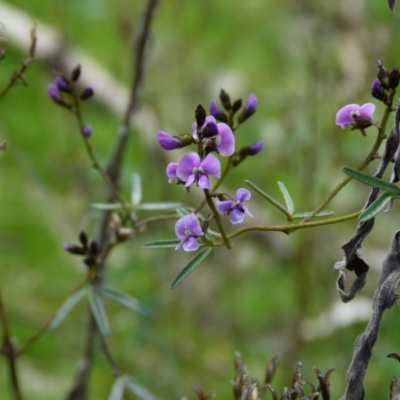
(193, 225)
(224, 206)
(171, 171)
(242, 195)
(343, 116)
(204, 182)
(191, 244)
(186, 164)
(167, 141)
(367, 110)
(237, 216)
(211, 166)
(181, 226)
(190, 180)
(226, 145)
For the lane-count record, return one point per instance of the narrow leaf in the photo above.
(112, 206)
(268, 198)
(377, 206)
(124, 299)
(191, 265)
(392, 3)
(324, 213)
(68, 305)
(139, 390)
(117, 390)
(158, 206)
(136, 194)
(99, 312)
(287, 197)
(159, 244)
(371, 180)
(182, 211)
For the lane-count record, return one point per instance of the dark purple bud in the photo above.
(76, 73)
(236, 105)
(87, 93)
(249, 109)
(217, 113)
(383, 75)
(169, 142)
(225, 100)
(62, 84)
(200, 115)
(254, 149)
(83, 238)
(210, 130)
(94, 247)
(73, 249)
(87, 130)
(378, 91)
(394, 78)
(54, 93)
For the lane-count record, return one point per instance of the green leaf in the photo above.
(136, 194)
(377, 206)
(117, 390)
(158, 206)
(99, 312)
(124, 299)
(139, 390)
(269, 198)
(324, 213)
(159, 244)
(287, 197)
(67, 306)
(112, 206)
(191, 265)
(371, 180)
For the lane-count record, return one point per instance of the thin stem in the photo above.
(155, 218)
(289, 227)
(110, 358)
(217, 217)
(46, 324)
(370, 157)
(8, 351)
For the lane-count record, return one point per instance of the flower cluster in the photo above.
(211, 134)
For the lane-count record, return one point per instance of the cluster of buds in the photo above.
(88, 249)
(385, 82)
(63, 92)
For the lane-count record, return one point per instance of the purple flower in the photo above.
(192, 169)
(54, 93)
(188, 230)
(61, 83)
(225, 140)
(171, 171)
(216, 112)
(347, 115)
(87, 130)
(235, 208)
(168, 142)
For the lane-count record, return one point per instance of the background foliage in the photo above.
(272, 293)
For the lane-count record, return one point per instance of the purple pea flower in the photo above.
(168, 142)
(171, 171)
(87, 130)
(54, 92)
(188, 230)
(349, 114)
(235, 208)
(192, 169)
(249, 108)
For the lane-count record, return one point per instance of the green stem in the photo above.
(218, 220)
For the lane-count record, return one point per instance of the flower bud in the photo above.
(394, 78)
(383, 75)
(87, 93)
(200, 115)
(249, 109)
(54, 93)
(87, 131)
(244, 152)
(216, 112)
(76, 73)
(169, 142)
(236, 105)
(62, 84)
(73, 249)
(83, 238)
(378, 91)
(225, 100)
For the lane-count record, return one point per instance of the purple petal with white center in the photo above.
(186, 165)
(211, 166)
(171, 171)
(367, 110)
(191, 244)
(204, 182)
(242, 195)
(343, 116)
(237, 216)
(224, 206)
(225, 140)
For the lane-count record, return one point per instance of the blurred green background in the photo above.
(272, 293)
